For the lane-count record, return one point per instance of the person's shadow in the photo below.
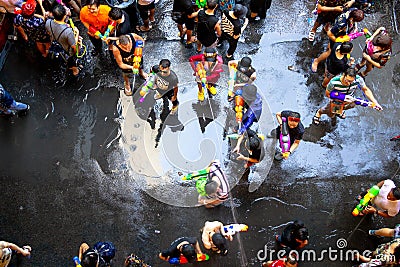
(206, 112)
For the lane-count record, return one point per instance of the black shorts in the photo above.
(189, 23)
(144, 10)
(72, 61)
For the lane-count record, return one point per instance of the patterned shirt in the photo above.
(336, 84)
(5, 256)
(34, 27)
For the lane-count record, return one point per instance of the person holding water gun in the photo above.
(296, 131)
(187, 247)
(95, 18)
(346, 84)
(345, 24)
(6, 250)
(213, 237)
(387, 202)
(210, 65)
(128, 50)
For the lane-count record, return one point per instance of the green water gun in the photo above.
(372, 192)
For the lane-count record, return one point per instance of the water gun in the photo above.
(183, 260)
(239, 104)
(196, 174)
(232, 79)
(347, 98)
(110, 27)
(349, 37)
(395, 138)
(137, 56)
(94, 31)
(232, 229)
(201, 72)
(367, 33)
(284, 139)
(147, 86)
(77, 261)
(372, 192)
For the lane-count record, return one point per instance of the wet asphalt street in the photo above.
(82, 166)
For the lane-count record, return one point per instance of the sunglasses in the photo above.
(294, 119)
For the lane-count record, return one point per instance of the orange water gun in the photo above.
(201, 72)
(239, 104)
(137, 56)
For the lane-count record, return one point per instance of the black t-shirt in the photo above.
(334, 65)
(258, 153)
(124, 27)
(205, 28)
(183, 6)
(166, 83)
(294, 133)
(173, 251)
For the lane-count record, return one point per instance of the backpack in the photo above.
(106, 251)
(56, 51)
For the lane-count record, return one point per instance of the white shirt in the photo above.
(383, 203)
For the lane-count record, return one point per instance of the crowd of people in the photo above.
(208, 24)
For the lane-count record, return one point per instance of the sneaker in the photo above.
(200, 95)
(212, 90)
(157, 96)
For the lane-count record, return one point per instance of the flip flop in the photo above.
(316, 120)
(341, 116)
(140, 28)
(311, 36)
(311, 66)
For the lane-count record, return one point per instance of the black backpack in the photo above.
(56, 51)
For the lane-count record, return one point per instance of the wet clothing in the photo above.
(62, 33)
(294, 133)
(257, 154)
(128, 56)
(289, 235)
(376, 53)
(213, 72)
(223, 189)
(100, 21)
(252, 114)
(243, 74)
(382, 252)
(34, 28)
(144, 7)
(124, 27)
(334, 65)
(336, 84)
(165, 85)
(342, 24)
(325, 17)
(205, 28)
(230, 27)
(185, 7)
(5, 255)
(381, 201)
(173, 251)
